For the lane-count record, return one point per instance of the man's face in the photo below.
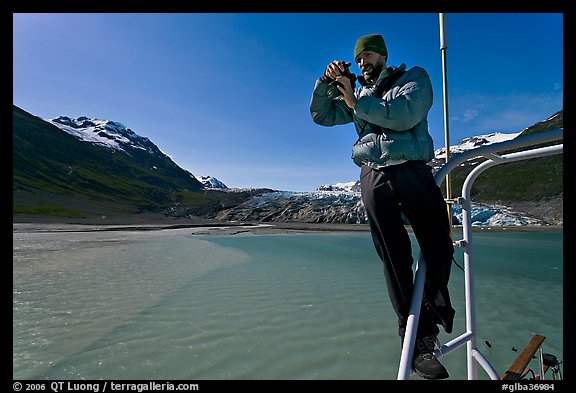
(370, 64)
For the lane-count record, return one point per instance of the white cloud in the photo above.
(470, 114)
(475, 114)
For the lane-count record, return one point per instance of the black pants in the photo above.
(410, 189)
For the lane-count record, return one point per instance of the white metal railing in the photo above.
(474, 356)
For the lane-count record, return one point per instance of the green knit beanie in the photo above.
(371, 42)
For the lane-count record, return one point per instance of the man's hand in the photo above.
(345, 87)
(334, 69)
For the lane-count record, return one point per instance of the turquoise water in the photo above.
(306, 306)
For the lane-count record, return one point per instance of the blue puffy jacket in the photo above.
(390, 116)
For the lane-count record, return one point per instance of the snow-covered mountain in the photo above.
(335, 203)
(475, 142)
(91, 168)
(212, 183)
(115, 135)
(107, 133)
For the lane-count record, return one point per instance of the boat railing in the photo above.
(490, 152)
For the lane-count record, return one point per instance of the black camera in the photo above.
(347, 74)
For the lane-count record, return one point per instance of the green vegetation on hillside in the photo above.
(56, 174)
(535, 179)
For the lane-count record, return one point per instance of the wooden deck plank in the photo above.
(517, 368)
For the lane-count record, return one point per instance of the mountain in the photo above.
(212, 183)
(533, 186)
(94, 167)
(86, 168)
(536, 179)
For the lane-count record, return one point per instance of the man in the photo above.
(389, 110)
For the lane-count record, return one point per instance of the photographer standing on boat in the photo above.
(389, 110)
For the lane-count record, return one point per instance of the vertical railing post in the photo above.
(443, 49)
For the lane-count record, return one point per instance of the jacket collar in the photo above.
(384, 75)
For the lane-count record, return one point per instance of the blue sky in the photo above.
(227, 94)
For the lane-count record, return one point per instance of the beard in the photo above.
(372, 71)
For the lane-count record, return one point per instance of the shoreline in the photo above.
(207, 227)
